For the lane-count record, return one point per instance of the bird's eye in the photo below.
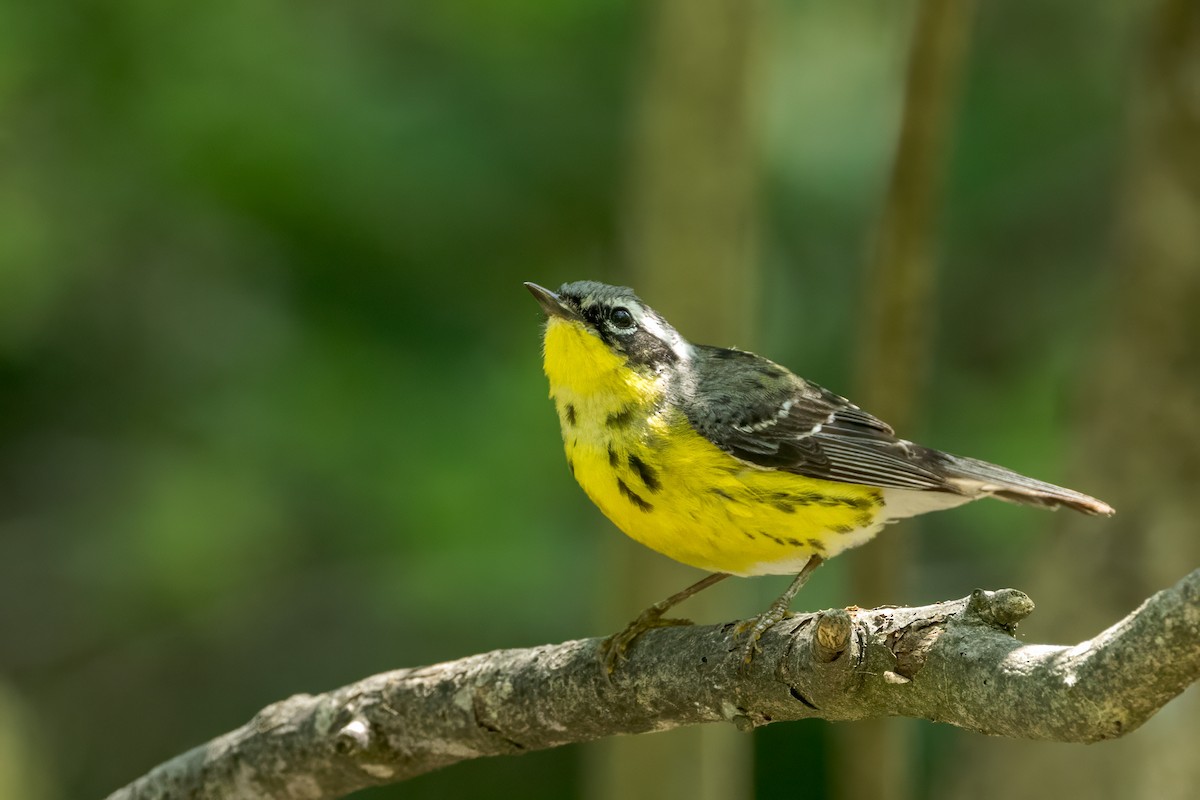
(621, 318)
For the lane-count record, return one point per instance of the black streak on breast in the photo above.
(633, 497)
(645, 472)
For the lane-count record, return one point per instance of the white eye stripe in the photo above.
(652, 326)
(599, 313)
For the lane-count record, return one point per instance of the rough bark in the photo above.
(955, 662)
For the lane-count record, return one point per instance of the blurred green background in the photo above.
(272, 415)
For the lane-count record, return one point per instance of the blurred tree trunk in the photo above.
(894, 349)
(689, 251)
(1140, 446)
(24, 768)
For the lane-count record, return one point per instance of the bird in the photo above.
(726, 461)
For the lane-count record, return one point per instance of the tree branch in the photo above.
(954, 662)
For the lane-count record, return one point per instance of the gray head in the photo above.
(619, 318)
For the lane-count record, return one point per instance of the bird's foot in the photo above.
(754, 628)
(612, 651)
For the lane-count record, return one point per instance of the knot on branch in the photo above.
(832, 635)
(359, 742)
(354, 737)
(1001, 609)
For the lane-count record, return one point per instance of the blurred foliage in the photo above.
(271, 410)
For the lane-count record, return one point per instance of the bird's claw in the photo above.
(753, 629)
(613, 650)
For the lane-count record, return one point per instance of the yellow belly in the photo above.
(671, 489)
(675, 492)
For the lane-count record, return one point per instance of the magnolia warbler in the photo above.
(724, 460)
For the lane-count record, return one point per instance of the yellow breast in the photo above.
(671, 489)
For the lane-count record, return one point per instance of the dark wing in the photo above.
(760, 413)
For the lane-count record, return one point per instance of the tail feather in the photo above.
(979, 477)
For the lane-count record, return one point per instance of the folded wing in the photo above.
(757, 411)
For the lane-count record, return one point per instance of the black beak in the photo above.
(552, 304)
